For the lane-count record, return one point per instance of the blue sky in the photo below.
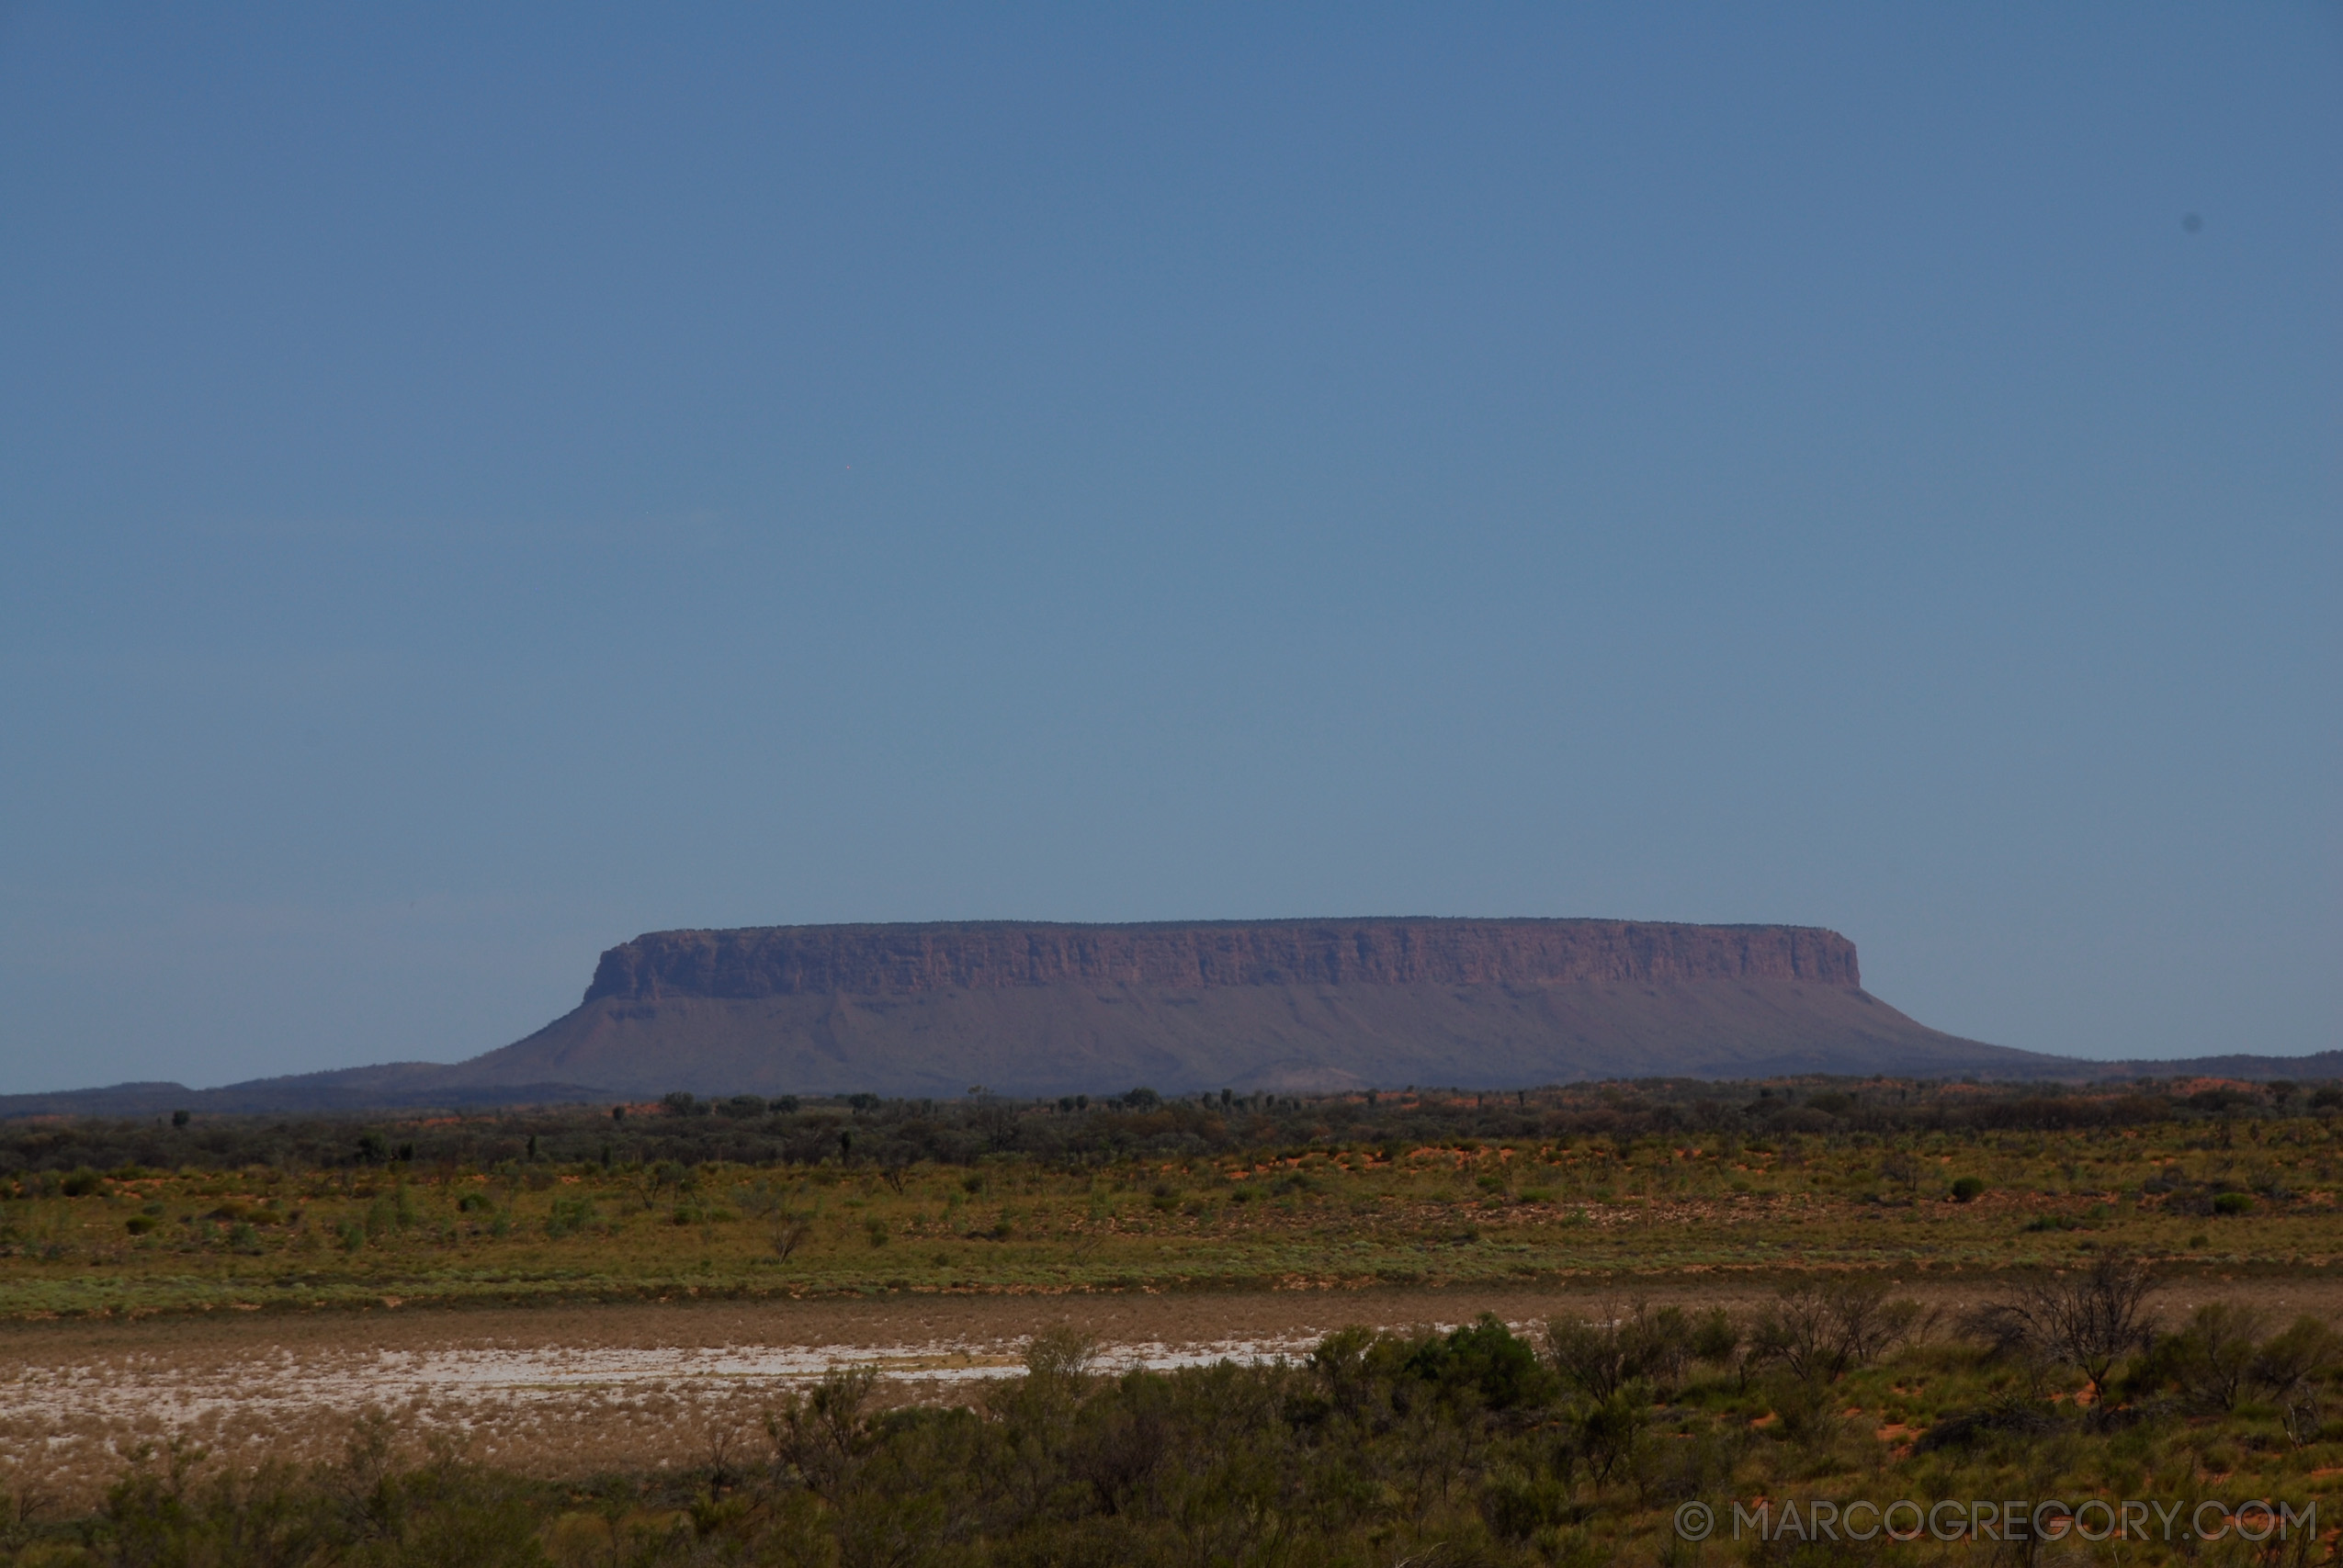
(478, 483)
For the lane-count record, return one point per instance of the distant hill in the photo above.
(1297, 1005)
(1291, 1006)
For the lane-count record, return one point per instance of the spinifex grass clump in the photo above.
(1583, 1442)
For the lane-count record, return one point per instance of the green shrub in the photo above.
(570, 1215)
(1517, 1506)
(2307, 1353)
(1486, 1359)
(1968, 1190)
(1715, 1337)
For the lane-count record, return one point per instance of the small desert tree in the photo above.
(821, 1438)
(1600, 1355)
(1819, 1331)
(2088, 1321)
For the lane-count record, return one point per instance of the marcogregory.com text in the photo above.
(2088, 1518)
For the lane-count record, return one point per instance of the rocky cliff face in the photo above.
(878, 960)
(1292, 1006)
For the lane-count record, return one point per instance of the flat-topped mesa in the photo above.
(770, 961)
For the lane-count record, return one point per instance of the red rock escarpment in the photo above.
(1285, 1006)
(870, 959)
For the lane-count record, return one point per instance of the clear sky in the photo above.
(480, 482)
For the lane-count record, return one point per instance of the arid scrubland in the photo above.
(1069, 1333)
(1423, 1190)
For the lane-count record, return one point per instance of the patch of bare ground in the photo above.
(569, 1391)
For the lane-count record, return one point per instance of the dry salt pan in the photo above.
(67, 1430)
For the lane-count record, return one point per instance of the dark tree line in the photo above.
(868, 1130)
